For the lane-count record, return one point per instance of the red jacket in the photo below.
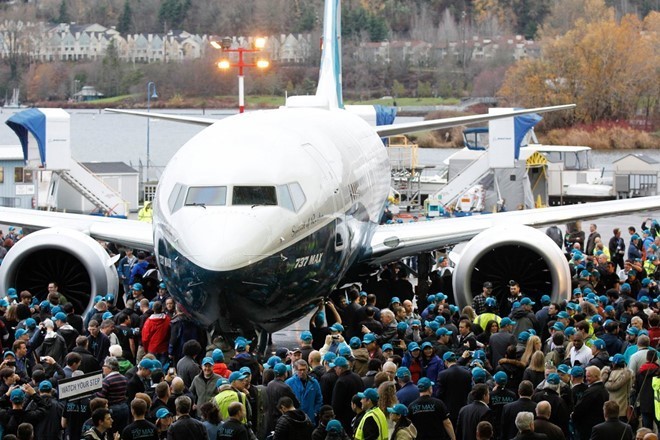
(156, 334)
(221, 369)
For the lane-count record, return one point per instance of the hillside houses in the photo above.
(76, 42)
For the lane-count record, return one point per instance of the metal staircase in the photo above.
(470, 175)
(94, 189)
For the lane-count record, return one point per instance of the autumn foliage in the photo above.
(609, 68)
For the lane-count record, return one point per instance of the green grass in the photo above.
(112, 99)
(404, 102)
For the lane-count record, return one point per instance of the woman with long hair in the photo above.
(533, 345)
(491, 328)
(387, 398)
(403, 427)
(211, 418)
(535, 372)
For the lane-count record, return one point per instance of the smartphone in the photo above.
(335, 336)
(42, 359)
(170, 371)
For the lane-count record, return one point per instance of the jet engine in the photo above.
(512, 252)
(76, 262)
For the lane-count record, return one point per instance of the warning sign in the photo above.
(81, 386)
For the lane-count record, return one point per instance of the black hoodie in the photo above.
(293, 425)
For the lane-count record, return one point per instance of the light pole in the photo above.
(151, 93)
(225, 46)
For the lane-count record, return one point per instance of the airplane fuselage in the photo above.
(261, 214)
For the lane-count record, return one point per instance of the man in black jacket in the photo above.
(587, 412)
(275, 390)
(294, 423)
(348, 384)
(525, 424)
(454, 384)
(185, 427)
(11, 418)
(508, 427)
(478, 411)
(89, 362)
(542, 424)
(612, 428)
(550, 394)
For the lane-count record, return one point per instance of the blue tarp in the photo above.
(34, 121)
(385, 115)
(521, 125)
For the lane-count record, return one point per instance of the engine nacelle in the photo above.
(75, 261)
(512, 252)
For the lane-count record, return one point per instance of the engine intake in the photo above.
(512, 252)
(76, 262)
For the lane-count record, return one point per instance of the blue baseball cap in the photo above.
(340, 361)
(355, 342)
(208, 361)
(218, 355)
(553, 379)
(387, 347)
(415, 323)
(599, 344)
(395, 299)
(162, 286)
(527, 302)
(11, 292)
(432, 325)
(55, 310)
(559, 326)
(240, 344)
(449, 356)
(402, 327)
(442, 332)
(563, 315)
(501, 378)
(399, 409)
(363, 293)
(609, 309)
(61, 316)
(424, 384)
(329, 357)
(479, 354)
(570, 331)
(402, 372)
(8, 353)
(164, 412)
(618, 359)
(506, 321)
(479, 374)
(523, 336)
(625, 287)
(633, 331)
(440, 320)
(17, 396)
(306, 336)
(430, 298)
(369, 393)
(577, 371)
(4, 303)
(147, 364)
(110, 297)
(563, 368)
(426, 344)
(345, 350)
(334, 425)
(545, 300)
(337, 327)
(368, 338)
(30, 323)
(246, 370)
(413, 346)
(279, 369)
(20, 332)
(137, 287)
(491, 302)
(45, 385)
(596, 319)
(107, 315)
(274, 360)
(237, 375)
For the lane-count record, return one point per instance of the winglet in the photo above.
(329, 86)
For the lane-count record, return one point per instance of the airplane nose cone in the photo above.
(226, 241)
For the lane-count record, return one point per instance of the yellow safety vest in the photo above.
(226, 398)
(656, 395)
(381, 421)
(484, 318)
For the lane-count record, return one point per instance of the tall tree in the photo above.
(125, 19)
(64, 13)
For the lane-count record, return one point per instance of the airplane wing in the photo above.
(435, 124)
(126, 232)
(394, 241)
(167, 117)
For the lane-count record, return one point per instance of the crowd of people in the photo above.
(371, 366)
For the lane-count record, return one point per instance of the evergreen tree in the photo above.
(125, 19)
(64, 13)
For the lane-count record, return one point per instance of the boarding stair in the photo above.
(105, 198)
(470, 176)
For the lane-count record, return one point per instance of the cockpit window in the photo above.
(206, 196)
(297, 196)
(176, 198)
(254, 195)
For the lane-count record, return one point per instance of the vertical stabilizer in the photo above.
(330, 75)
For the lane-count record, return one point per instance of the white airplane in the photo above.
(262, 214)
